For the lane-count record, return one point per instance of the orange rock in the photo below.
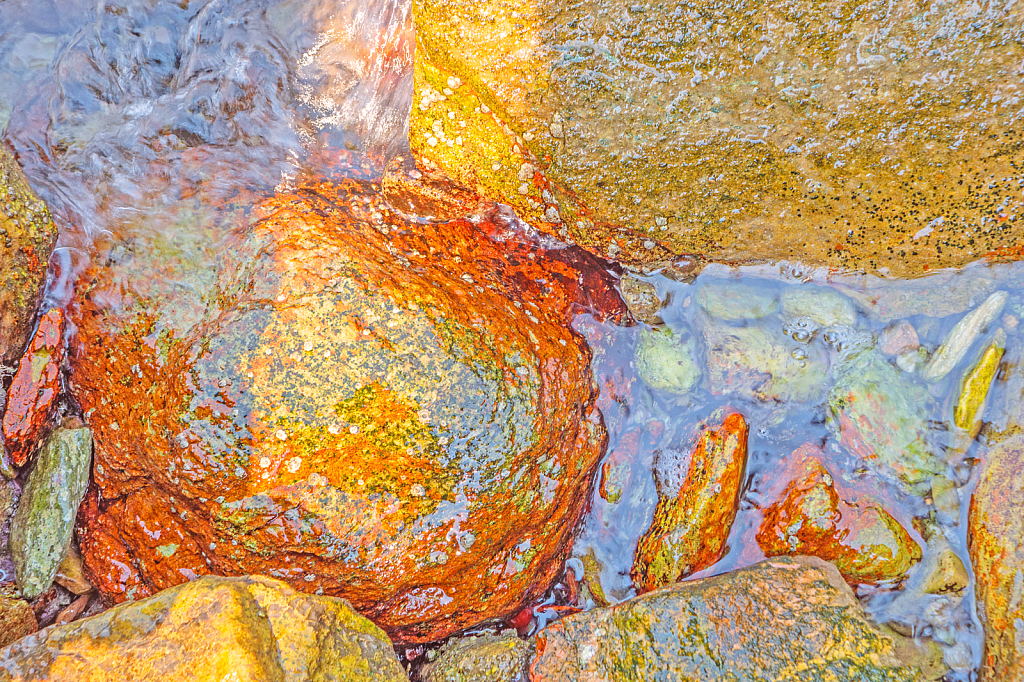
(35, 388)
(392, 411)
(863, 540)
(689, 529)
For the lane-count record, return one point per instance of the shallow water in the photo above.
(146, 119)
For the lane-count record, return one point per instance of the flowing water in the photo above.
(127, 116)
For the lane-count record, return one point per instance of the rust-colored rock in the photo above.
(35, 389)
(16, 618)
(863, 540)
(996, 542)
(690, 527)
(250, 629)
(393, 412)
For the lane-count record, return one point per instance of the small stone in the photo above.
(962, 337)
(690, 527)
(898, 338)
(482, 658)
(948, 575)
(975, 386)
(665, 363)
(734, 302)
(641, 298)
(249, 629)
(824, 306)
(71, 573)
(44, 521)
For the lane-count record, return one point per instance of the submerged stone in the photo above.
(947, 575)
(27, 235)
(757, 363)
(996, 542)
(784, 618)
(34, 389)
(251, 629)
(974, 387)
(898, 338)
(641, 298)
(882, 416)
(732, 301)
(748, 131)
(862, 539)
(45, 519)
(391, 411)
(691, 525)
(824, 306)
(962, 337)
(665, 362)
(481, 658)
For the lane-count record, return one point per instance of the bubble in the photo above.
(802, 329)
(799, 354)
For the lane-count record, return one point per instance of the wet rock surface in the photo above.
(27, 235)
(16, 618)
(34, 389)
(248, 629)
(481, 658)
(44, 522)
(690, 526)
(782, 618)
(736, 131)
(398, 414)
(996, 540)
(863, 540)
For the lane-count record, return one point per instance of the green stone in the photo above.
(735, 302)
(482, 658)
(825, 307)
(45, 519)
(665, 363)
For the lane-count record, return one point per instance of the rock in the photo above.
(651, 131)
(35, 389)
(784, 618)
(9, 494)
(481, 658)
(71, 573)
(16, 619)
(692, 521)
(665, 362)
(825, 307)
(27, 235)
(898, 338)
(881, 415)
(390, 411)
(996, 543)
(948, 574)
(251, 629)
(733, 302)
(962, 337)
(863, 540)
(641, 298)
(45, 519)
(975, 385)
(756, 363)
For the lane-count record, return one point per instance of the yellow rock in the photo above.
(211, 630)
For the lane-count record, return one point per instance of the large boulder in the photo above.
(761, 130)
(27, 235)
(392, 411)
(250, 629)
(781, 619)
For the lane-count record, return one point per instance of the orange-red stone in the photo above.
(390, 410)
(35, 388)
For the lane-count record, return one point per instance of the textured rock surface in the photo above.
(34, 389)
(27, 236)
(691, 525)
(781, 619)
(996, 535)
(737, 130)
(397, 413)
(882, 416)
(16, 619)
(483, 658)
(214, 629)
(45, 519)
(825, 307)
(863, 540)
(666, 362)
